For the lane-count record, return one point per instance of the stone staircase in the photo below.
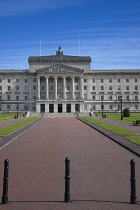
(56, 115)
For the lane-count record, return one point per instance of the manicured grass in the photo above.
(112, 128)
(117, 117)
(9, 129)
(8, 116)
(135, 139)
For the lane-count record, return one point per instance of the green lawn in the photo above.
(135, 139)
(112, 128)
(117, 117)
(8, 116)
(9, 129)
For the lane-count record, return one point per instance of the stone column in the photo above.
(81, 89)
(88, 89)
(55, 88)
(64, 88)
(47, 88)
(38, 88)
(64, 108)
(72, 87)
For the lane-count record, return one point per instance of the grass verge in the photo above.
(11, 128)
(109, 127)
(135, 139)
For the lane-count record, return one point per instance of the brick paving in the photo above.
(100, 169)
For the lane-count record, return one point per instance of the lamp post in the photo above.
(17, 108)
(102, 108)
(121, 108)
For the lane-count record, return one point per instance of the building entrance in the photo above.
(77, 107)
(42, 107)
(69, 108)
(59, 108)
(51, 108)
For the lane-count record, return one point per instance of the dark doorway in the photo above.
(59, 108)
(51, 108)
(77, 107)
(42, 107)
(69, 108)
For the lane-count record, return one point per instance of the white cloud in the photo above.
(17, 7)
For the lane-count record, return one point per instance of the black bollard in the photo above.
(5, 182)
(67, 196)
(133, 183)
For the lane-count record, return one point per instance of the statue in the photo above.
(59, 52)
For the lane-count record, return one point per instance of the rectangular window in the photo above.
(119, 87)
(0, 87)
(110, 106)
(110, 87)
(34, 97)
(85, 87)
(118, 80)
(68, 80)
(0, 97)
(26, 80)
(102, 87)
(93, 97)
(110, 97)
(17, 87)
(42, 80)
(93, 80)
(26, 88)
(51, 87)
(8, 97)
(59, 80)
(42, 88)
(93, 107)
(8, 80)
(93, 87)
(127, 87)
(85, 80)
(9, 87)
(25, 108)
(127, 98)
(135, 80)
(136, 97)
(51, 80)
(76, 80)
(17, 80)
(110, 80)
(102, 97)
(8, 107)
(85, 96)
(34, 80)
(17, 98)
(136, 106)
(0, 80)
(68, 87)
(59, 87)
(76, 87)
(25, 98)
(34, 87)
(136, 87)
(127, 80)
(102, 80)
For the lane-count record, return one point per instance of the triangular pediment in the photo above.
(60, 68)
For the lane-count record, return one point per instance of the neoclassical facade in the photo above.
(66, 84)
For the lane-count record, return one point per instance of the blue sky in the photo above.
(106, 30)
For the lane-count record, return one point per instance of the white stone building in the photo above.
(63, 84)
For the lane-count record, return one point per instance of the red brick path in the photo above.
(100, 170)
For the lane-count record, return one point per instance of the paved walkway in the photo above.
(100, 170)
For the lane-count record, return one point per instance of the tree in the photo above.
(126, 113)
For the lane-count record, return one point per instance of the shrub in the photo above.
(126, 113)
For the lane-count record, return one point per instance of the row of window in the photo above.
(68, 80)
(110, 106)
(127, 87)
